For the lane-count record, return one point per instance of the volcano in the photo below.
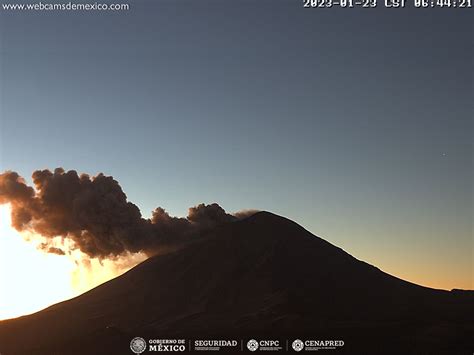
(261, 277)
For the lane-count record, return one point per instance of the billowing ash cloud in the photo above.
(94, 216)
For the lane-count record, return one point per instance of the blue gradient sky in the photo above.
(355, 123)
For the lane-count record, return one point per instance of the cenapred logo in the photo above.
(138, 345)
(252, 345)
(297, 345)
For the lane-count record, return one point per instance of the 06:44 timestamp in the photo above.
(387, 3)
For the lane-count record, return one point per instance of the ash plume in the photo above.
(93, 215)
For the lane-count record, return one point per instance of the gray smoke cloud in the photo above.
(93, 214)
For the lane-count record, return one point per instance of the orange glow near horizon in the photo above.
(31, 280)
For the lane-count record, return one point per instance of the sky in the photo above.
(355, 123)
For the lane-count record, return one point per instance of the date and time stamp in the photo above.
(422, 4)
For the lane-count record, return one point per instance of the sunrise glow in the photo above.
(31, 280)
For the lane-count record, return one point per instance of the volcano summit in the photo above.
(263, 276)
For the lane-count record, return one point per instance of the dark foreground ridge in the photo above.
(264, 276)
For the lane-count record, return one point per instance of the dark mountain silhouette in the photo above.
(264, 276)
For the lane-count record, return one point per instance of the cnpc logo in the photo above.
(254, 345)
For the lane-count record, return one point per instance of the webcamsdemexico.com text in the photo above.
(67, 6)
